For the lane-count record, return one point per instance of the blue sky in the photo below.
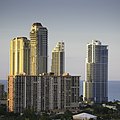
(76, 22)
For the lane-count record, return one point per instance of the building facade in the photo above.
(19, 64)
(58, 59)
(38, 49)
(46, 92)
(2, 91)
(19, 56)
(96, 81)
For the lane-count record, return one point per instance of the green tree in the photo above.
(45, 116)
(29, 114)
(68, 115)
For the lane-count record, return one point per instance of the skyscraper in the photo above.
(19, 56)
(58, 59)
(19, 64)
(96, 81)
(38, 49)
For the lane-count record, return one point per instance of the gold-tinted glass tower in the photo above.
(58, 59)
(19, 64)
(19, 56)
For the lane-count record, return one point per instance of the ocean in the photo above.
(113, 89)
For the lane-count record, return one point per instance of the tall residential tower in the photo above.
(19, 64)
(38, 49)
(96, 81)
(19, 56)
(58, 59)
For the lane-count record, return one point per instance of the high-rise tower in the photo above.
(19, 64)
(19, 56)
(96, 81)
(38, 49)
(58, 59)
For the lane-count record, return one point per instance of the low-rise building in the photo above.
(110, 106)
(84, 116)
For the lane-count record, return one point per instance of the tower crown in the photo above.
(59, 47)
(96, 42)
(36, 26)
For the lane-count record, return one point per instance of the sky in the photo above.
(76, 22)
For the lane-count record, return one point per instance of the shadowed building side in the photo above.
(1, 91)
(46, 92)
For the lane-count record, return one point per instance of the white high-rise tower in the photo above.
(96, 81)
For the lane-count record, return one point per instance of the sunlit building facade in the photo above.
(19, 56)
(19, 64)
(95, 86)
(38, 49)
(58, 59)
